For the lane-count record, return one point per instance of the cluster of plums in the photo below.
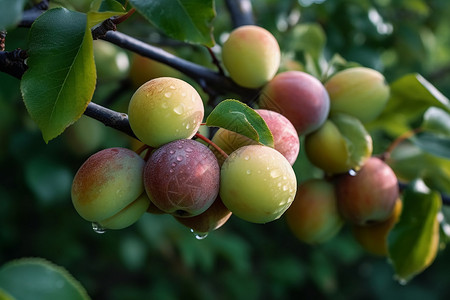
(201, 187)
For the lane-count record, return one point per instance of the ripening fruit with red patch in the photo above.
(108, 188)
(314, 217)
(298, 96)
(251, 55)
(182, 178)
(368, 196)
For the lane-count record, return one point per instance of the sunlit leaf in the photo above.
(189, 21)
(239, 117)
(60, 80)
(413, 242)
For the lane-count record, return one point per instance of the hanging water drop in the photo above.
(352, 172)
(98, 228)
(168, 94)
(199, 235)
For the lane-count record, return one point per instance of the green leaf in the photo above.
(413, 242)
(10, 13)
(239, 117)
(189, 21)
(36, 278)
(60, 80)
(436, 120)
(307, 37)
(102, 10)
(411, 96)
(436, 144)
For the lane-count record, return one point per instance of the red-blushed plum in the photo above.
(373, 238)
(165, 109)
(251, 55)
(298, 96)
(257, 183)
(285, 137)
(360, 92)
(314, 217)
(108, 188)
(182, 178)
(368, 196)
(213, 218)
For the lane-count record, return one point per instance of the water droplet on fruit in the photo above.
(285, 188)
(98, 228)
(171, 171)
(275, 173)
(172, 87)
(165, 105)
(179, 158)
(171, 152)
(189, 150)
(198, 235)
(174, 164)
(247, 157)
(248, 172)
(352, 172)
(188, 126)
(179, 109)
(168, 94)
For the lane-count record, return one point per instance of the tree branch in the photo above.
(13, 63)
(30, 15)
(241, 12)
(200, 74)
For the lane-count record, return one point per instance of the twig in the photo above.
(30, 15)
(241, 12)
(13, 63)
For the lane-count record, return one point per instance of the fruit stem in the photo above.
(203, 138)
(387, 154)
(122, 18)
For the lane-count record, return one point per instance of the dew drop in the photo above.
(171, 152)
(189, 150)
(275, 173)
(98, 228)
(180, 146)
(247, 157)
(174, 164)
(165, 105)
(352, 172)
(179, 109)
(188, 126)
(199, 235)
(171, 171)
(285, 188)
(168, 94)
(179, 158)
(172, 87)
(248, 172)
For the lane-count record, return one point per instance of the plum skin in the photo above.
(257, 183)
(251, 55)
(298, 96)
(314, 217)
(165, 109)
(182, 178)
(108, 183)
(370, 195)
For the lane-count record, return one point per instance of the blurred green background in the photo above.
(158, 258)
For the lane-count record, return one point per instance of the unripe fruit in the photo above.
(370, 195)
(182, 178)
(314, 217)
(285, 138)
(213, 218)
(373, 238)
(165, 109)
(298, 96)
(360, 92)
(111, 61)
(109, 184)
(257, 183)
(251, 55)
(341, 144)
(143, 69)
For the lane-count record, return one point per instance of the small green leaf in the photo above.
(189, 21)
(104, 9)
(10, 13)
(411, 96)
(36, 278)
(437, 144)
(239, 117)
(413, 242)
(436, 120)
(60, 80)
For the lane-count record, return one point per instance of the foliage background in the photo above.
(157, 258)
